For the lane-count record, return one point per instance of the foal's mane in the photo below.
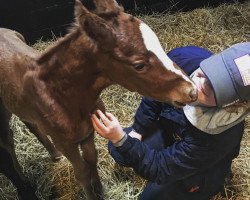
(72, 33)
(46, 59)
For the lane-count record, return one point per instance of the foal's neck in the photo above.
(72, 68)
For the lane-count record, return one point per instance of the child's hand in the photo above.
(109, 128)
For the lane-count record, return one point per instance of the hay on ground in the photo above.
(214, 29)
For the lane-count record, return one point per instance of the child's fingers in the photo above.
(105, 120)
(96, 128)
(98, 125)
(110, 116)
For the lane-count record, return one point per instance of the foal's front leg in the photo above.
(81, 168)
(54, 153)
(90, 156)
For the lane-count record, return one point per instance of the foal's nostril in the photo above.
(193, 94)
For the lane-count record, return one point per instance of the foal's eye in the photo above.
(139, 66)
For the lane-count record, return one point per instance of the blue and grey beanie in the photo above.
(229, 74)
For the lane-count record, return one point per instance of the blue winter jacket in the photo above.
(192, 152)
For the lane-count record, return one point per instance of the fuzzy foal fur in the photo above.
(53, 93)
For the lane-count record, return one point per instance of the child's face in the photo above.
(205, 91)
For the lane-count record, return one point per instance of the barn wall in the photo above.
(37, 19)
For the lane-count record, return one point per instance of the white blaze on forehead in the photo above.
(152, 43)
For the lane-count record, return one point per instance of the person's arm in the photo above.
(180, 160)
(176, 162)
(153, 165)
(147, 112)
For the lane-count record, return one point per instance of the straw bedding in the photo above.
(214, 29)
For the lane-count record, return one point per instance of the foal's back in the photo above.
(13, 43)
(15, 58)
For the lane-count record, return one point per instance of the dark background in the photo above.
(41, 19)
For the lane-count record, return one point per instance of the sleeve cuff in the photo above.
(121, 142)
(127, 145)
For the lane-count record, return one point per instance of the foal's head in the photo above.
(136, 59)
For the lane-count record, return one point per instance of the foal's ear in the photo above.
(103, 6)
(79, 9)
(96, 27)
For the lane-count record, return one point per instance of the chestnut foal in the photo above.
(53, 93)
